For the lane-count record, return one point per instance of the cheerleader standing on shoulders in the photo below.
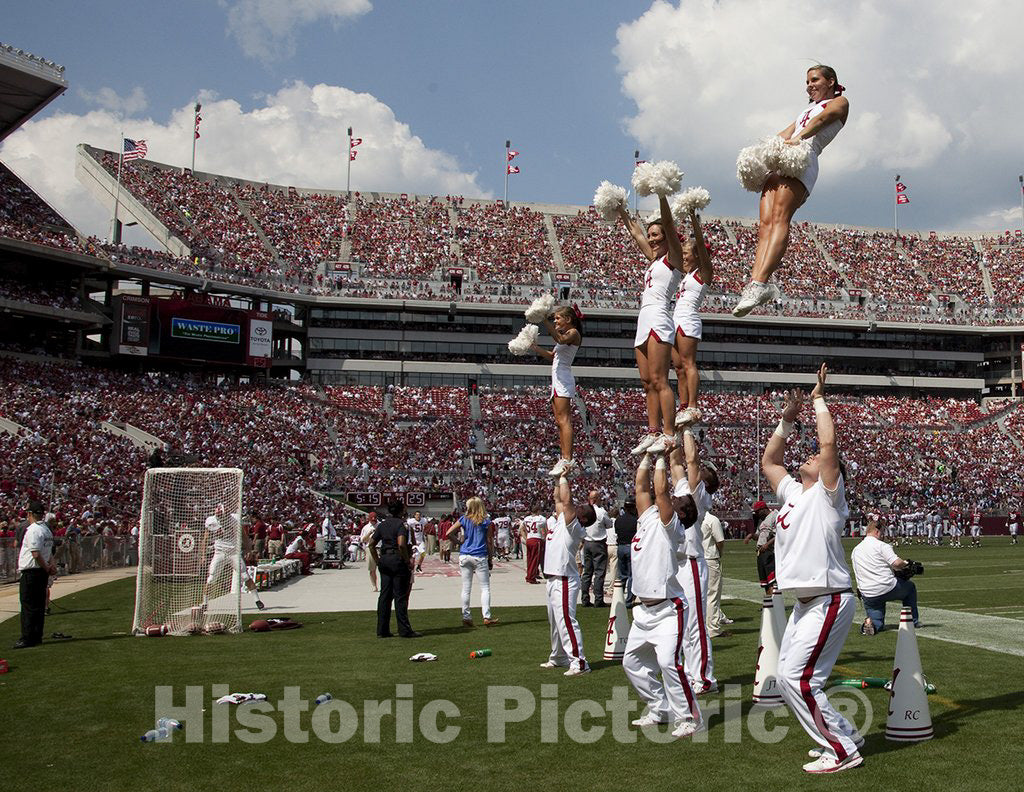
(782, 195)
(567, 332)
(655, 330)
(686, 317)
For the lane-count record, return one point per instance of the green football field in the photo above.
(72, 712)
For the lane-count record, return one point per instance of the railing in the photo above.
(84, 555)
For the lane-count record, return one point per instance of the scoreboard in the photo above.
(199, 328)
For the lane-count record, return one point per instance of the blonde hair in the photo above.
(476, 511)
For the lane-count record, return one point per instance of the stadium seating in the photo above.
(27, 217)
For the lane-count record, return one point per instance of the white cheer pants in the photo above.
(810, 647)
(566, 637)
(700, 665)
(655, 646)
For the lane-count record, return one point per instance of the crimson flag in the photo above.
(198, 119)
(355, 142)
(902, 199)
(513, 169)
(900, 187)
(352, 155)
(512, 155)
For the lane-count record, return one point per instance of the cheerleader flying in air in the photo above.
(567, 332)
(785, 182)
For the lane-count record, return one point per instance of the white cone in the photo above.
(766, 685)
(618, 624)
(909, 718)
(779, 616)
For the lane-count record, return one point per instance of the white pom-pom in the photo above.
(608, 199)
(751, 169)
(691, 200)
(657, 178)
(792, 160)
(527, 337)
(540, 308)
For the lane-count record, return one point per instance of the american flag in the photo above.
(135, 149)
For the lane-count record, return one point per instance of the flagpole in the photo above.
(896, 207)
(1021, 180)
(117, 195)
(195, 134)
(508, 147)
(636, 157)
(348, 177)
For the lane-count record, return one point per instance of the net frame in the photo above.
(179, 548)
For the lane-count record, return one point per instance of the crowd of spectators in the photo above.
(296, 442)
(27, 217)
(396, 237)
(505, 244)
(873, 261)
(50, 295)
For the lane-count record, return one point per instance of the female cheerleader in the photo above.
(567, 332)
(781, 195)
(687, 321)
(654, 331)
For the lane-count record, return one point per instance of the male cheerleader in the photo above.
(701, 481)
(811, 565)
(563, 581)
(655, 642)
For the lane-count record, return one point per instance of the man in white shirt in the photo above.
(364, 540)
(655, 642)
(811, 566)
(562, 578)
(874, 565)
(35, 563)
(595, 553)
(713, 538)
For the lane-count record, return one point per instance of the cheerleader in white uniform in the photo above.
(567, 332)
(655, 331)
(781, 195)
(687, 321)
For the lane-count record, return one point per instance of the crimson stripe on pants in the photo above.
(808, 672)
(567, 618)
(681, 628)
(698, 602)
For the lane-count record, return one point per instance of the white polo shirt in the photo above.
(653, 556)
(39, 538)
(872, 564)
(711, 535)
(598, 530)
(809, 558)
(560, 550)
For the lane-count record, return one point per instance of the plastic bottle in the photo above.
(480, 653)
(323, 697)
(4, 668)
(151, 736)
(169, 723)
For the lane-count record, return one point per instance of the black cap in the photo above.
(36, 509)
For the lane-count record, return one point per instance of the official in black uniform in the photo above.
(389, 548)
(625, 530)
(35, 562)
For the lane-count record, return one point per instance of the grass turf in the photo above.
(73, 711)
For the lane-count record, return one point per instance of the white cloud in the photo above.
(109, 99)
(296, 136)
(266, 29)
(932, 86)
(997, 220)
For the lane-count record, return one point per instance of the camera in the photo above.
(912, 568)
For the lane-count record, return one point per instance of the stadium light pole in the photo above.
(1021, 180)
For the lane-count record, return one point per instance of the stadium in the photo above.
(345, 349)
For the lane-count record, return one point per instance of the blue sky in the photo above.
(435, 88)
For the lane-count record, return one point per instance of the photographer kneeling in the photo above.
(882, 576)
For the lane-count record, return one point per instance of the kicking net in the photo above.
(191, 570)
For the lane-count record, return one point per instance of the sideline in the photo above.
(10, 605)
(995, 633)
